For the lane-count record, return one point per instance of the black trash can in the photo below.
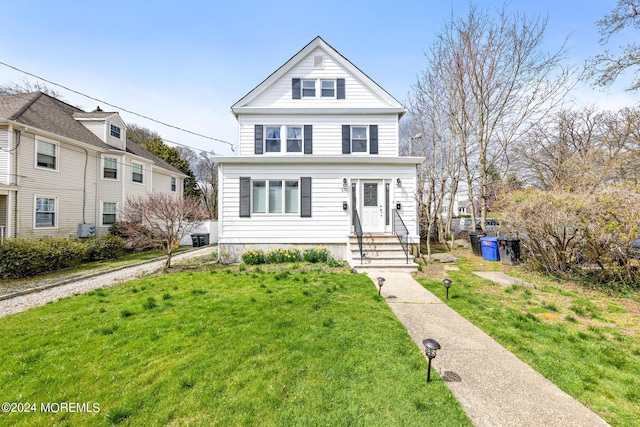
(474, 238)
(509, 248)
(205, 239)
(197, 240)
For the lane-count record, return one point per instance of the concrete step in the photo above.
(397, 267)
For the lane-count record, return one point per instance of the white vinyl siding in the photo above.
(5, 161)
(329, 223)
(357, 94)
(327, 131)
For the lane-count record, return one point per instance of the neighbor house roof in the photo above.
(49, 114)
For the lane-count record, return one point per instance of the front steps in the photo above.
(383, 252)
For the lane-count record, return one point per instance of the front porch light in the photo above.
(398, 182)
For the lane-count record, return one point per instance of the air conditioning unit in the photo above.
(86, 230)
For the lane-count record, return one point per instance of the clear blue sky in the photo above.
(187, 62)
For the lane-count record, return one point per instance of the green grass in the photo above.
(584, 341)
(297, 346)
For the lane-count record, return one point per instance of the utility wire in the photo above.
(119, 108)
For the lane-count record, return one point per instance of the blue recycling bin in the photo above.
(490, 250)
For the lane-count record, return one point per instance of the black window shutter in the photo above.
(346, 139)
(245, 197)
(373, 139)
(295, 88)
(305, 196)
(258, 140)
(308, 139)
(340, 87)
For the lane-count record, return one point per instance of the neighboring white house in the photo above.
(67, 172)
(318, 152)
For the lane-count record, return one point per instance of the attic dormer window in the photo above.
(115, 131)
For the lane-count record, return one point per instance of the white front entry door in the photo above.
(372, 207)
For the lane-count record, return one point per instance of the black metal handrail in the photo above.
(400, 230)
(358, 231)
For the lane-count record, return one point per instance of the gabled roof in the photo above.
(43, 112)
(318, 42)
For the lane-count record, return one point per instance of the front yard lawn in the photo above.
(583, 340)
(230, 346)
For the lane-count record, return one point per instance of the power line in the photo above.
(119, 108)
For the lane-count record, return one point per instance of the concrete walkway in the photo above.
(493, 386)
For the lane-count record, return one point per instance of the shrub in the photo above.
(104, 247)
(26, 257)
(137, 237)
(279, 255)
(317, 254)
(253, 257)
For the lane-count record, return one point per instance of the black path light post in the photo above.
(447, 284)
(380, 283)
(430, 348)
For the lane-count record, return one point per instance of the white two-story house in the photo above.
(67, 172)
(318, 164)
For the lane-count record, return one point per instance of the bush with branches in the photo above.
(565, 232)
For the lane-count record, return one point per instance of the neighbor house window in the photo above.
(328, 88)
(358, 139)
(275, 196)
(45, 212)
(308, 88)
(46, 155)
(115, 131)
(108, 213)
(174, 183)
(136, 172)
(110, 167)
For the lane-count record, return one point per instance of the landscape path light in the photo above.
(447, 284)
(380, 283)
(430, 348)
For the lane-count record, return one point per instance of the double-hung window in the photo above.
(115, 131)
(174, 183)
(110, 167)
(308, 88)
(294, 139)
(137, 172)
(358, 139)
(108, 213)
(272, 142)
(46, 155)
(328, 88)
(46, 212)
(275, 196)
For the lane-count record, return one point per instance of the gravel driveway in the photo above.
(82, 285)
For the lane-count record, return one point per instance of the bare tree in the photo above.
(581, 148)
(206, 174)
(498, 83)
(169, 218)
(606, 67)
(27, 86)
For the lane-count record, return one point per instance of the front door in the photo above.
(372, 207)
